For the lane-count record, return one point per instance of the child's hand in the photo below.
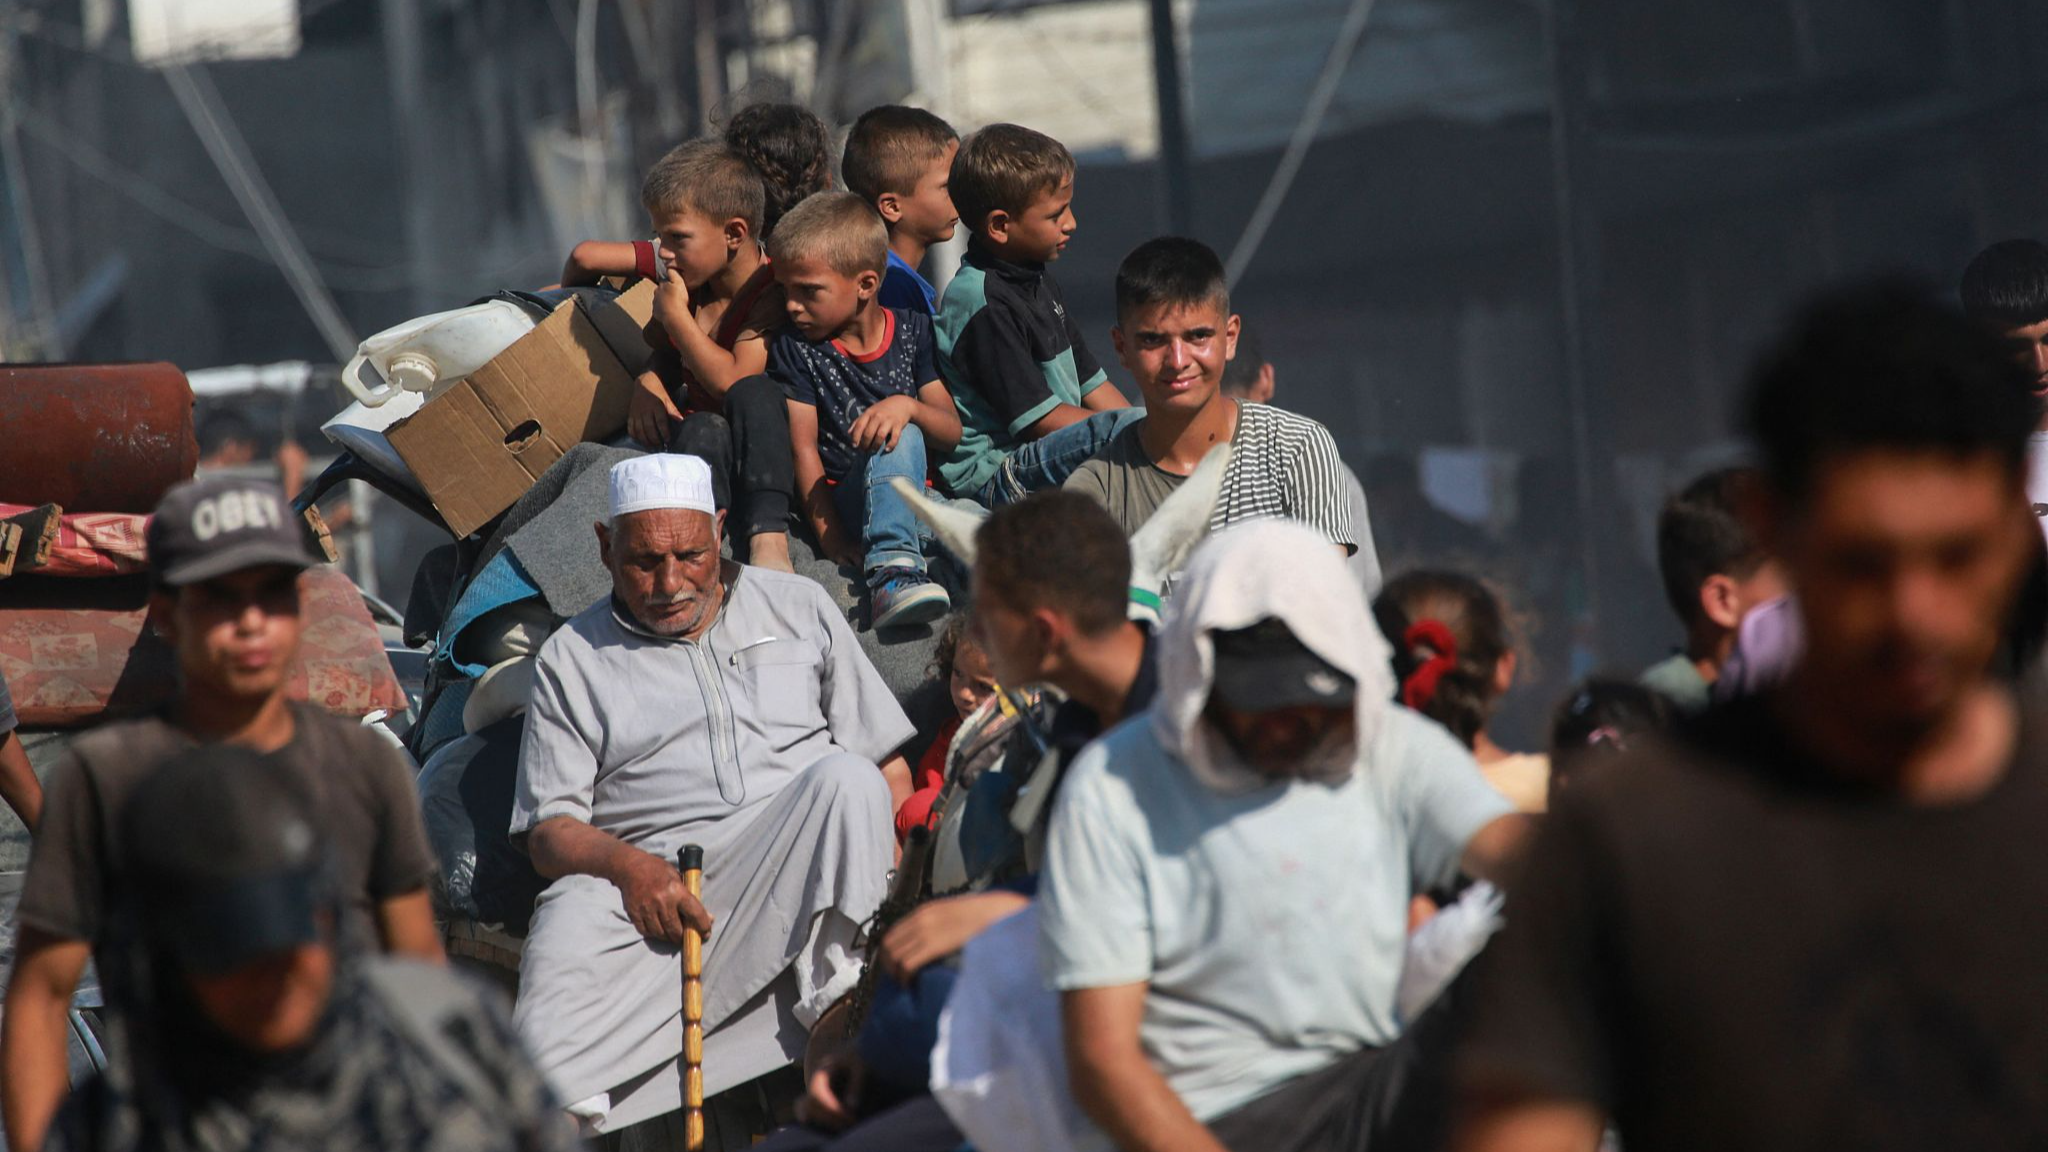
(672, 303)
(939, 928)
(649, 412)
(881, 425)
(833, 1091)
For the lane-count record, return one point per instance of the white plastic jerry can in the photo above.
(430, 353)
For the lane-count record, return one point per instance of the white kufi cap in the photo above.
(662, 480)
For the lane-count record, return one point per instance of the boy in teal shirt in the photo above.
(1034, 404)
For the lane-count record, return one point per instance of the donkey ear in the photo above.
(953, 525)
(1160, 548)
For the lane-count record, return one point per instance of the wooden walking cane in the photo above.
(691, 861)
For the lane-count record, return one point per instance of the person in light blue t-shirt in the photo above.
(1226, 884)
(900, 160)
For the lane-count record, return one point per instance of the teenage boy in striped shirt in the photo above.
(1174, 332)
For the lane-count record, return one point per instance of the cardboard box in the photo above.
(627, 324)
(478, 447)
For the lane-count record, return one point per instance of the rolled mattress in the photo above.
(76, 652)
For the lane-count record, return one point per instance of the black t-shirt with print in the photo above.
(841, 385)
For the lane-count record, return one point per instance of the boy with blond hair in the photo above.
(864, 399)
(900, 159)
(1033, 403)
(716, 299)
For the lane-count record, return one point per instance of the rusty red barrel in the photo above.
(94, 437)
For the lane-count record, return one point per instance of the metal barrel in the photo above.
(94, 437)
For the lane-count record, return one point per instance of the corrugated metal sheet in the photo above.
(1083, 71)
(1252, 63)
(1080, 72)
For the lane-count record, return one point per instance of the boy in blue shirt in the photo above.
(865, 401)
(1034, 405)
(900, 160)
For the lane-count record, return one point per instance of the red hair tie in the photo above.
(1420, 686)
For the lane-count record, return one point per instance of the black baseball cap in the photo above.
(215, 525)
(224, 851)
(1265, 667)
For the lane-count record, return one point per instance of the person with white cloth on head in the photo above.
(701, 702)
(1224, 901)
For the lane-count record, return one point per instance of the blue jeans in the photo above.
(1046, 462)
(890, 532)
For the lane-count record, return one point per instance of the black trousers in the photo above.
(917, 1125)
(1391, 1099)
(753, 470)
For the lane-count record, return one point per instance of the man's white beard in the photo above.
(678, 626)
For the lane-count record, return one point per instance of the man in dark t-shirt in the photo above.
(251, 1029)
(1804, 922)
(225, 556)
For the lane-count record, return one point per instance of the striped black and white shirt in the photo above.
(1281, 466)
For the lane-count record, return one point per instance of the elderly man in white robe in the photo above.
(710, 703)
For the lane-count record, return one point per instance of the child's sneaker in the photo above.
(900, 595)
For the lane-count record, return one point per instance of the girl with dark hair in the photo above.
(791, 149)
(961, 664)
(1600, 720)
(1454, 655)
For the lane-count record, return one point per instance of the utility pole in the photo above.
(42, 340)
(656, 100)
(710, 68)
(831, 73)
(1176, 174)
(404, 56)
(1577, 221)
